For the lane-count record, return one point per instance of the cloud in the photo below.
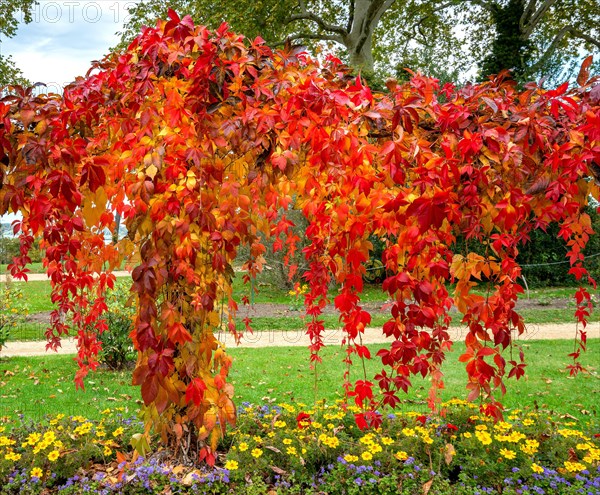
(64, 37)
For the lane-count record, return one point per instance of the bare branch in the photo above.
(527, 12)
(557, 39)
(305, 15)
(350, 17)
(581, 35)
(535, 18)
(310, 36)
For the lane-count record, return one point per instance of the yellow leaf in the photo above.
(151, 171)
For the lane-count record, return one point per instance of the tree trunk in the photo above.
(362, 58)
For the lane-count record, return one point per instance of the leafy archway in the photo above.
(199, 140)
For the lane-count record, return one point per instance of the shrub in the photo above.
(13, 310)
(117, 349)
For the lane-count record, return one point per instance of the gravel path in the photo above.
(285, 338)
(42, 276)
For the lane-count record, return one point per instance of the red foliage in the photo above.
(199, 139)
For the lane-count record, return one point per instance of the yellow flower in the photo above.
(427, 439)
(481, 427)
(12, 456)
(33, 438)
(256, 453)
(484, 437)
(271, 434)
(107, 451)
(36, 472)
(375, 448)
(592, 456)
(106, 411)
(350, 458)
(367, 456)
(408, 432)
(467, 434)
(53, 456)
(328, 441)
(231, 465)
(280, 424)
(537, 468)
(49, 436)
(118, 431)
(574, 467)
(58, 445)
(243, 447)
(401, 455)
(509, 454)
(387, 441)
(565, 432)
(287, 441)
(530, 447)
(529, 422)
(4, 441)
(292, 451)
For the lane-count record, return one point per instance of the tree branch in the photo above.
(535, 19)
(376, 10)
(305, 15)
(443, 6)
(310, 36)
(557, 39)
(527, 12)
(350, 17)
(485, 5)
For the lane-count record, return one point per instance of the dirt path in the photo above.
(285, 338)
(42, 276)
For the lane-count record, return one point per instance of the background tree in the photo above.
(12, 12)
(10, 73)
(440, 38)
(535, 38)
(368, 34)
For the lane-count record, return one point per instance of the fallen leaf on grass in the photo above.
(427, 487)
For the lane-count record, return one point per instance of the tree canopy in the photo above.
(441, 38)
(10, 73)
(13, 12)
(200, 139)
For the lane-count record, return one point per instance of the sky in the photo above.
(64, 37)
(62, 40)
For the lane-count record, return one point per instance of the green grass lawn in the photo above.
(35, 386)
(37, 296)
(33, 268)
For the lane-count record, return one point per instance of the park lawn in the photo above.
(37, 296)
(33, 268)
(37, 386)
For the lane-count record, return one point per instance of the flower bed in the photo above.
(293, 449)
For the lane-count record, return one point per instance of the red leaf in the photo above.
(584, 71)
(195, 391)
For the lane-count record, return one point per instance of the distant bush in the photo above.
(117, 348)
(13, 310)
